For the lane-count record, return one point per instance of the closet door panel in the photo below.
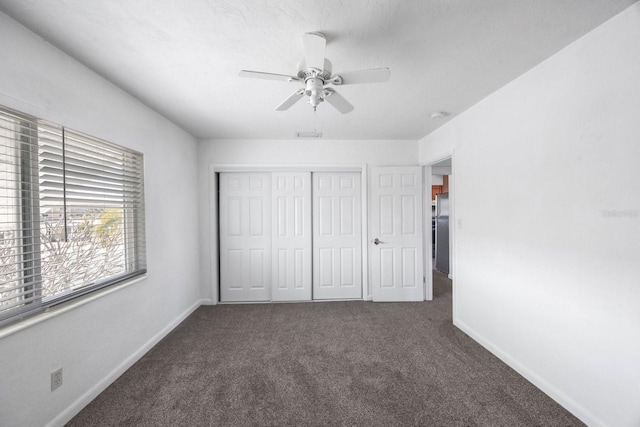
(291, 244)
(337, 244)
(245, 236)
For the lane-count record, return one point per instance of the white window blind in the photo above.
(19, 230)
(73, 211)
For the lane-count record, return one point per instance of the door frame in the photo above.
(214, 239)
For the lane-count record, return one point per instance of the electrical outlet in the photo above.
(56, 379)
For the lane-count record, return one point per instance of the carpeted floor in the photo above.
(322, 364)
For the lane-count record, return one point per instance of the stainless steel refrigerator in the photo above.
(442, 233)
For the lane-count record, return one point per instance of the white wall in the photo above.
(95, 342)
(547, 185)
(283, 153)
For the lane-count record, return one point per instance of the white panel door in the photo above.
(337, 236)
(245, 236)
(291, 238)
(396, 234)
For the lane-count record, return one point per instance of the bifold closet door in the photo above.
(337, 235)
(245, 236)
(291, 244)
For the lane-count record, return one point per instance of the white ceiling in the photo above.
(182, 58)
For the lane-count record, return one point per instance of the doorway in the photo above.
(439, 220)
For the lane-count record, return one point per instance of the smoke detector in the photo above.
(439, 114)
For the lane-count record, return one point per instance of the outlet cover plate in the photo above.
(56, 379)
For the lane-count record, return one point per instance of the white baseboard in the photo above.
(561, 398)
(71, 411)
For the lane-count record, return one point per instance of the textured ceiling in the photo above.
(182, 58)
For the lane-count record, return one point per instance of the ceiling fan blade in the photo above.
(374, 75)
(288, 103)
(335, 99)
(267, 76)
(314, 45)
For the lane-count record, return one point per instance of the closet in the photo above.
(290, 236)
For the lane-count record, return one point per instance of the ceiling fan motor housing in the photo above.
(305, 73)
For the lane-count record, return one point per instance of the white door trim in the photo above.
(215, 168)
(427, 233)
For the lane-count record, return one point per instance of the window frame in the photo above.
(28, 221)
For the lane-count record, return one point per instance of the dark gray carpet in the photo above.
(320, 364)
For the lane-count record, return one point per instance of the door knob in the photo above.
(376, 241)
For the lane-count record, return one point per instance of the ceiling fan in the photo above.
(315, 71)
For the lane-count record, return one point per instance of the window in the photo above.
(71, 214)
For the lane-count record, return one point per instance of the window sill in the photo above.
(65, 307)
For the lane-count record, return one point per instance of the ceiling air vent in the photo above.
(309, 134)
